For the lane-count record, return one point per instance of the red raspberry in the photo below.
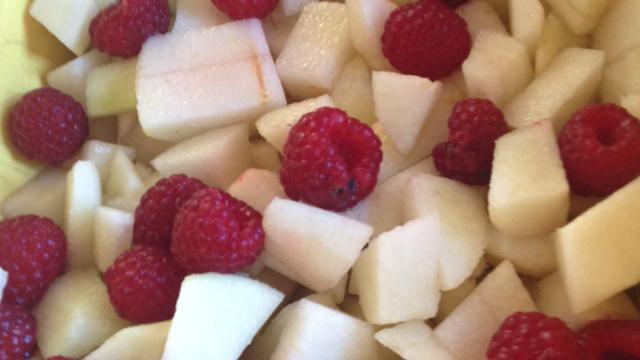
(17, 333)
(474, 127)
(330, 160)
(611, 339)
(33, 251)
(158, 207)
(426, 38)
(527, 336)
(122, 28)
(246, 9)
(600, 148)
(215, 232)
(47, 125)
(144, 284)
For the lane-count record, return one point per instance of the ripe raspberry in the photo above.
(33, 251)
(17, 333)
(158, 207)
(600, 148)
(474, 127)
(246, 9)
(426, 38)
(47, 125)
(330, 160)
(122, 28)
(215, 232)
(526, 336)
(144, 284)
(611, 339)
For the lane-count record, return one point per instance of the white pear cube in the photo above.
(101, 154)
(123, 177)
(257, 188)
(216, 157)
(533, 256)
(450, 299)
(366, 25)
(621, 78)
(71, 78)
(184, 88)
(529, 191)
(75, 316)
(317, 49)
(111, 88)
(570, 82)
(353, 91)
(402, 105)
(142, 342)
(197, 14)
(44, 196)
(631, 103)
(498, 67)
(556, 36)
(481, 16)
(217, 316)
(316, 247)
(619, 30)
(4, 276)
(582, 16)
(113, 231)
(597, 250)
(413, 340)
(527, 21)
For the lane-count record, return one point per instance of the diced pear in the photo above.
(75, 316)
(216, 157)
(111, 88)
(621, 78)
(531, 256)
(529, 191)
(132, 135)
(184, 88)
(197, 14)
(274, 126)
(413, 340)
(527, 21)
(556, 36)
(450, 299)
(123, 177)
(570, 82)
(498, 67)
(632, 104)
(218, 315)
(43, 196)
(257, 188)
(402, 105)
(113, 231)
(317, 49)
(353, 91)
(619, 30)
(294, 229)
(597, 250)
(481, 16)
(141, 342)
(4, 276)
(71, 78)
(366, 25)
(101, 154)
(582, 16)
(264, 156)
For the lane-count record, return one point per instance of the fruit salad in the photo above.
(315, 179)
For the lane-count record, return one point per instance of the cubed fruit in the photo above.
(142, 342)
(597, 251)
(197, 14)
(556, 36)
(498, 68)
(101, 154)
(4, 276)
(113, 231)
(123, 178)
(71, 78)
(527, 21)
(353, 91)
(570, 82)
(317, 49)
(218, 315)
(366, 25)
(621, 78)
(413, 340)
(43, 196)
(294, 229)
(110, 88)
(264, 156)
(582, 16)
(75, 316)
(449, 300)
(533, 256)
(619, 30)
(184, 88)
(481, 16)
(631, 103)
(529, 191)
(257, 188)
(216, 157)
(550, 295)
(132, 135)
(403, 104)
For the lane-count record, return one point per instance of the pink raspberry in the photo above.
(33, 251)
(122, 28)
(17, 333)
(474, 127)
(600, 148)
(47, 125)
(330, 160)
(528, 336)
(215, 232)
(246, 9)
(610, 340)
(144, 284)
(426, 38)
(154, 216)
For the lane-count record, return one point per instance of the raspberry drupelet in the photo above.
(17, 333)
(611, 340)
(246, 9)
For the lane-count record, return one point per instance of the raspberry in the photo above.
(611, 339)
(330, 160)
(246, 9)
(158, 207)
(474, 127)
(426, 38)
(214, 232)
(526, 336)
(144, 284)
(17, 333)
(47, 125)
(122, 28)
(600, 148)
(33, 251)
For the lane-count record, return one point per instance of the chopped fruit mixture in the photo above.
(321, 179)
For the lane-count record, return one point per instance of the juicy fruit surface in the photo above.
(48, 126)
(17, 333)
(600, 148)
(215, 232)
(33, 251)
(144, 284)
(122, 28)
(330, 160)
(426, 38)
(246, 9)
(611, 340)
